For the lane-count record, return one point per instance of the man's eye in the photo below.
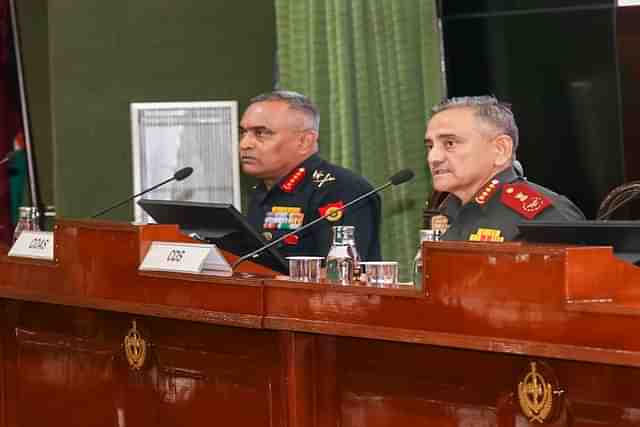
(242, 132)
(449, 143)
(263, 133)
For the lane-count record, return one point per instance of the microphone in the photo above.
(397, 179)
(181, 174)
(178, 176)
(8, 157)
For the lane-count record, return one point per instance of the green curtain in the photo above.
(373, 67)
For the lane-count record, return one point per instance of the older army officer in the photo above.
(279, 146)
(471, 144)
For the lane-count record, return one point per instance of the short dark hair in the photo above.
(488, 109)
(296, 101)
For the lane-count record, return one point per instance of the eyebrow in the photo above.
(443, 135)
(253, 128)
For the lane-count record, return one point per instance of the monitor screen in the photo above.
(217, 223)
(623, 236)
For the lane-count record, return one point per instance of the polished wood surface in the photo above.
(259, 351)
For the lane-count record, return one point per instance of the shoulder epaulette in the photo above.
(524, 199)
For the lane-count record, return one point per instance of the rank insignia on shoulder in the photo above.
(320, 178)
(290, 183)
(333, 209)
(487, 191)
(486, 235)
(524, 199)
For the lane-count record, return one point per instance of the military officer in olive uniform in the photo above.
(279, 146)
(471, 143)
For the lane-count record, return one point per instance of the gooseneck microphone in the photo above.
(8, 157)
(398, 178)
(178, 176)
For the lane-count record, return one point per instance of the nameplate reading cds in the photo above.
(185, 258)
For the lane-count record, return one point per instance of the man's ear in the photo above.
(308, 140)
(503, 144)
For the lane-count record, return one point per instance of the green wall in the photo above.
(87, 60)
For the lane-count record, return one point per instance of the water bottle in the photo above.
(425, 236)
(28, 218)
(343, 259)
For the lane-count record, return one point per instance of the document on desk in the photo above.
(198, 258)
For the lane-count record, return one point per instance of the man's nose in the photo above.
(246, 141)
(434, 156)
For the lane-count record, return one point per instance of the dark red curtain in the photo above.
(9, 114)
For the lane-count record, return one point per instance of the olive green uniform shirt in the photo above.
(506, 201)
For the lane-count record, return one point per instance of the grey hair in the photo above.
(296, 101)
(488, 109)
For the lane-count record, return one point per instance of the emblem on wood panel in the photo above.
(538, 393)
(135, 348)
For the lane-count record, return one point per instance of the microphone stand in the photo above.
(117, 205)
(304, 227)
(6, 158)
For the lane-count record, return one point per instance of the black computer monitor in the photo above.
(217, 223)
(623, 236)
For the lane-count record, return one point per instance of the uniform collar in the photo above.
(452, 204)
(507, 176)
(296, 176)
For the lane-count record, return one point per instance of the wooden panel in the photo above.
(382, 384)
(220, 371)
(194, 371)
(254, 352)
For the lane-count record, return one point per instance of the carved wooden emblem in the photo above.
(135, 348)
(538, 399)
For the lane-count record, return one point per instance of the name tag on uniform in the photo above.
(185, 258)
(33, 244)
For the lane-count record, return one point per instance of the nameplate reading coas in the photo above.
(33, 244)
(185, 258)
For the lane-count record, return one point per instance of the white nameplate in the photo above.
(33, 244)
(185, 258)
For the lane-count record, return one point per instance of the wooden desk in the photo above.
(266, 352)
